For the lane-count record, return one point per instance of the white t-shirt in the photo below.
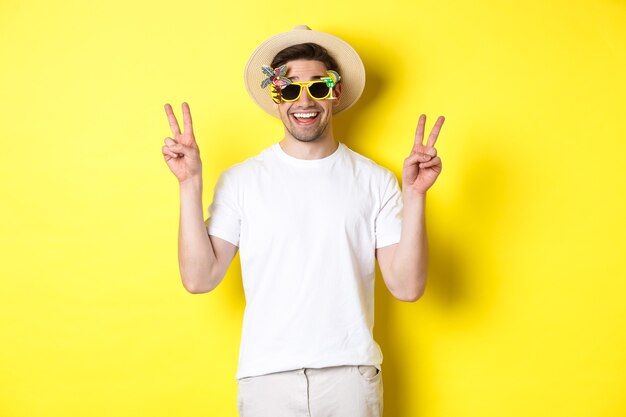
(307, 232)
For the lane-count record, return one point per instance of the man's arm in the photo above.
(404, 265)
(203, 259)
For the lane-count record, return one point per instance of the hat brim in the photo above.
(351, 68)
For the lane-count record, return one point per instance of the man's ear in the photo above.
(337, 93)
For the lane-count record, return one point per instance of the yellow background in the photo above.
(524, 312)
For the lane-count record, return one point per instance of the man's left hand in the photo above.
(422, 167)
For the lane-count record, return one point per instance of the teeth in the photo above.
(304, 115)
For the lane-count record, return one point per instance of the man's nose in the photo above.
(305, 99)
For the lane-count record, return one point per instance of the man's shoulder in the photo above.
(362, 162)
(248, 165)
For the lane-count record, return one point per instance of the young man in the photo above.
(310, 216)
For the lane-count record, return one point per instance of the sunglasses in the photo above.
(317, 90)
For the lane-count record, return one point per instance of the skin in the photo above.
(181, 153)
(404, 265)
(316, 140)
(204, 259)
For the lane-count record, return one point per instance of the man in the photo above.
(309, 215)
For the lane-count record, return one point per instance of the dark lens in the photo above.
(318, 89)
(291, 92)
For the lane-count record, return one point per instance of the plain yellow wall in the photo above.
(523, 314)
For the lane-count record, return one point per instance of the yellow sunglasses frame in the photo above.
(303, 84)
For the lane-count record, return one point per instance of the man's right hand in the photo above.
(181, 153)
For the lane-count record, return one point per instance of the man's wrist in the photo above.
(193, 183)
(411, 195)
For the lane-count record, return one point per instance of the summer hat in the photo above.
(350, 68)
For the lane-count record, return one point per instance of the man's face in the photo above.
(307, 119)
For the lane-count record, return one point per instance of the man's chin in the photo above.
(307, 138)
(306, 135)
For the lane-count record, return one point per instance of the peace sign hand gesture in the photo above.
(422, 167)
(181, 153)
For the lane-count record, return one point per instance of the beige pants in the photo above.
(337, 391)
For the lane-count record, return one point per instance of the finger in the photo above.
(419, 132)
(172, 119)
(187, 119)
(431, 163)
(432, 138)
(179, 148)
(416, 157)
(170, 141)
(168, 149)
(167, 153)
(432, 152)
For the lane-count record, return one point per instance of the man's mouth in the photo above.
(305, 118)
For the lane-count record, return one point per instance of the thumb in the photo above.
(174, 146)
(179, 148)
(416, 157)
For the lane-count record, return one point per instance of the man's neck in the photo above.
(317, 149)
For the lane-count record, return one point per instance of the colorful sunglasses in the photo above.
(317, 90)
(283, 89)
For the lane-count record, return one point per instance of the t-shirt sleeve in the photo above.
(389, 218)
(224, 212)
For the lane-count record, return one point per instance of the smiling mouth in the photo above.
(305, 118)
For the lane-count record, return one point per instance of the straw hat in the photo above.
(351, 67)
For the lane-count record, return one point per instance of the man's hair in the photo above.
(307, 51)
